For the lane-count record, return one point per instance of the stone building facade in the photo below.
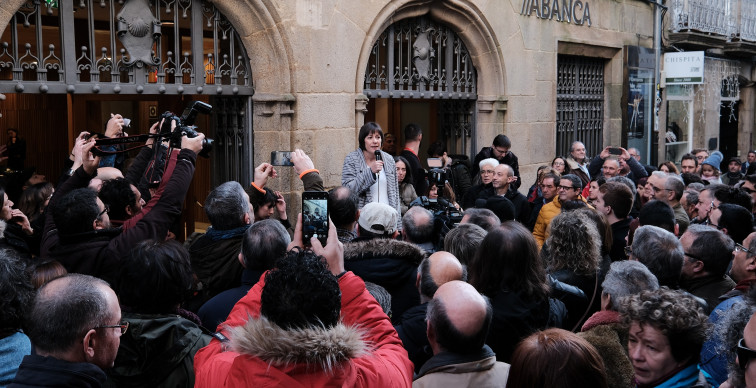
(309, 58)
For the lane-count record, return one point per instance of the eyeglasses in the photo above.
(741, 248)
(107, 209)
(744, 353)
(694, 257)
(565, 187)
(628, 250)
(708, 222)
(123, 326)
(558, 164)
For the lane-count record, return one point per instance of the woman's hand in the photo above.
(20, 218)
(376, 166)
(281, 206)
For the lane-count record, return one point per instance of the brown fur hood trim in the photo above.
(2, 228)
(379, 247)
(319, 347)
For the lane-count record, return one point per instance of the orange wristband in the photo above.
(305, 172)
(258, 189)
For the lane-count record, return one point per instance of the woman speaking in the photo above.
(369, 172)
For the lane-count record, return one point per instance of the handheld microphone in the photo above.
(378, 156)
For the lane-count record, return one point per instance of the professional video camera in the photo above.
(184, 127)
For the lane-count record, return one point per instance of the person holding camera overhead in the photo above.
(370, 172)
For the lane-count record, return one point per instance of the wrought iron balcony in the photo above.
(729, 25)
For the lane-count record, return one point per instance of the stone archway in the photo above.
(479, 38)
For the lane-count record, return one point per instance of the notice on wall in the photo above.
(684, 68)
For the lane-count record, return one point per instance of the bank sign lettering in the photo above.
(568, 11)
(684, 68)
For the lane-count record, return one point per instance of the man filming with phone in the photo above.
(610, 163)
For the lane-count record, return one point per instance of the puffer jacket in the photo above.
(261, 354)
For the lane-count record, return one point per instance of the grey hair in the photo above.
(226, 206)
(625, 181)
(62, 314)
(660, 251)
(675, 184)
(488, 161)
(264, 243)
(464, 240)
(418, 224)
(691, 196)
(381, 295)
(627, 278)
(659, 174)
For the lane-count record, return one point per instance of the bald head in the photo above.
(108, 173)
(458, 318)
(439, 268)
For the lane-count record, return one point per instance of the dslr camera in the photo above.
(185, 126)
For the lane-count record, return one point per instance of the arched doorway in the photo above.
(420, 71)
(66, 65)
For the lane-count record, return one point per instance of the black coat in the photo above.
(391, 264)
(39, 371)
(516, 316)
(413, 333)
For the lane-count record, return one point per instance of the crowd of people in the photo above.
(607, 273)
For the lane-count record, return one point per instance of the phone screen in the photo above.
(615, 151)
(315, 216)
(281, 158)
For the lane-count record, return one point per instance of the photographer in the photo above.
(78, 232)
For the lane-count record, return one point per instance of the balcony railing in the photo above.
(708, 16)
(731, 20)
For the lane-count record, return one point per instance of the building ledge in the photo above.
(697, 40)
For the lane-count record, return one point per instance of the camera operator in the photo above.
(78, 232)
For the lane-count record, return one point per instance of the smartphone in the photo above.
(435, 163)
(615, 151)
(315, 216)
(281, 158)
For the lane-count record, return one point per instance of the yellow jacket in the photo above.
(547, 213)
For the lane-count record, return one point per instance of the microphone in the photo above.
(378, 156)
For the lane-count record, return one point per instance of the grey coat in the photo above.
(357, 176)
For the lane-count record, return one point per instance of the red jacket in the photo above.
(385, 365)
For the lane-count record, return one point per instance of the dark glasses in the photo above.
(745, 354)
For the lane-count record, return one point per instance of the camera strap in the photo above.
(96, 150)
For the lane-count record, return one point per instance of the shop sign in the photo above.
(567, 11)
(684, 68)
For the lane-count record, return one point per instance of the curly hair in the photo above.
(574, 243)
(675, 313)
(16, 291)
(301, 292)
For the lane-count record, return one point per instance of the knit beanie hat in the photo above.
(714, 160)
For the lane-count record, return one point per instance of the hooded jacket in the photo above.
(157, 351)
(389, 263)
(362, 350)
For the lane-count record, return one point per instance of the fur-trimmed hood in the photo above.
(317, 347)
(380, 247)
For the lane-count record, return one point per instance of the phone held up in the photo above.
(315, 216)
(615, 151)
(281, 158)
